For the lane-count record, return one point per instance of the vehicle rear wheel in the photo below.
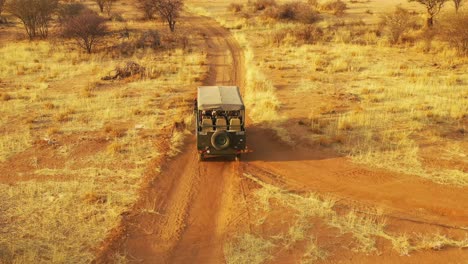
(220, 140)
(201, 156)
(237, 157)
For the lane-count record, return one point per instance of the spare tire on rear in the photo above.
(220, 140)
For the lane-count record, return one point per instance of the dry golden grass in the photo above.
(59, 222)
(248, 249)
(382, 105)
(260, 97)
(364, 227)
(86, 142)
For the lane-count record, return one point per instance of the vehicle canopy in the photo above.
(226, 98)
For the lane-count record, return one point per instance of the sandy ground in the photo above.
(188, 212)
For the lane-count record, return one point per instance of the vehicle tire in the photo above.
(237, 157)
(201, 157)
(220, 140)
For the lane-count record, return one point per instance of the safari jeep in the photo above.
(220, 121)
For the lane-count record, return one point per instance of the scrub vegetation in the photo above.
(390, 91)
(75, 142)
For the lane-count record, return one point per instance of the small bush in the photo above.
(86, 29)
(336, 7)
(303, 34)
(308, 34)
(289, 11)
(235, 7)
(293, 11)
(149, 39)
(454, 30)
(117, 17)
(67, 11)
(147, 8)
(396, 24)
(5, 97)
(260, 5)
(308, 16)
(278, 37)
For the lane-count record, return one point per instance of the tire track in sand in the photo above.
(186, 213)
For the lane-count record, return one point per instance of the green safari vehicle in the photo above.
(220, 122)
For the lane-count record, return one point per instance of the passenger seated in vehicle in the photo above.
(221, 123)
(235, 124)
(206, 124)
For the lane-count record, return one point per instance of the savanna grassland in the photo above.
(357, 118)
(398, 103)
(347, 77)
(74, 148)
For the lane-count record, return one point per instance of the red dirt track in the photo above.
(187, 212)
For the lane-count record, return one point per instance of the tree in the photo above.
(100, 3)
(86, 29)
(34, 14)
(169, 10)
(433, 7)
(108, 4)
(457, 4)
(146, 7)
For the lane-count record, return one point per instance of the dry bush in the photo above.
(297, 11)
(260, 5)
(2, 4)
(293, 11)
(69, 10)
(299, 35)
(5, 97)
(235, 7)
(108, 5)
(173, 41)
(86, 29)
(397, 23)
(128, 70)
(149, 39)
(147, 8)
(34, 14)
(289, 11)
(277, 37)
(307, 34)
(454, 30)
(117, 17)
(336, 7)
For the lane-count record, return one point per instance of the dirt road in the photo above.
(191, 208)
(184, 216)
